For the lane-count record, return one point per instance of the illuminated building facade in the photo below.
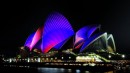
(57, 31)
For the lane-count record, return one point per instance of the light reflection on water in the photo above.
(54, 70)
(62, 70)
(57, 70)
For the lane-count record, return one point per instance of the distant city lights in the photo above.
(123, 56)
(109, 56)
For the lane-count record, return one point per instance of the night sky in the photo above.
(20, 18)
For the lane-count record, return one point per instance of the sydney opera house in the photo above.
(57, 35)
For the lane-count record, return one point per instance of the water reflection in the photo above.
(54, 70)
(77, 71)
(62, 70)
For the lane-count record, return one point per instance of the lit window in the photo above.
(51, 58)
(55, 57)
(39, 59)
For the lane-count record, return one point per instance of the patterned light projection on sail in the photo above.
(83, 34)
(32, 40)
(29, 40)
(56, 30)
(58, 46)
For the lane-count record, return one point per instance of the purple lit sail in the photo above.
(33, 39)
(58, 46)
(83, 34)
(29, 40)
(56, 30)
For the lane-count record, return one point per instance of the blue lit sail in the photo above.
(56, 30)
(34, 38)
(29, 40)
(83, 34)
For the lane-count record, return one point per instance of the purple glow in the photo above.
(32, 40)
(58, 46)
(36, 37)
(83, 34)
(56, 30)
(78, 42)
(29, 40)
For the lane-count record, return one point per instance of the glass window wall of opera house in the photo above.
(56, 41)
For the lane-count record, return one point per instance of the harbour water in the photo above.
(53, 70)
(62, 70)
